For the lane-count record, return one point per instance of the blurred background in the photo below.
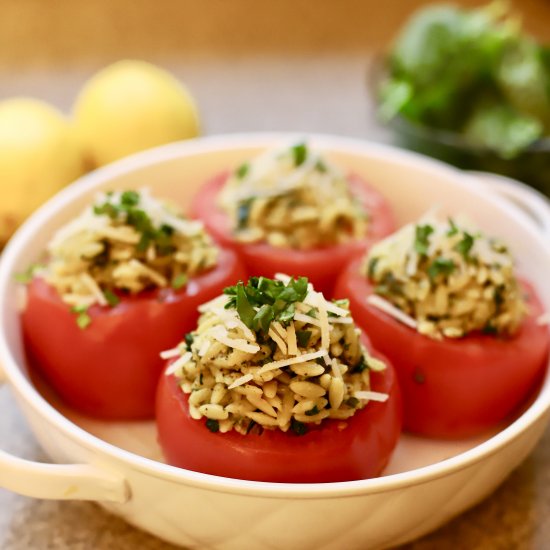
(285, 65)
(290, 65)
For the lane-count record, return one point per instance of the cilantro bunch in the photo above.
(275, 300)
(473, 72)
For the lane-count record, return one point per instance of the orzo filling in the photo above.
(292, 198)
(273, 354)
(127, 241)
(446, 281)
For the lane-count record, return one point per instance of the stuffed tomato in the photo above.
(277, 384)
(292, 211)
(443, 303)
(120, 283)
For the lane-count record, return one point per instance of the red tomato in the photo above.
(337, 450)
(110, 369)
(320, 265)
(453, 388)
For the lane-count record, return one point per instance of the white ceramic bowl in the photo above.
(427, 482)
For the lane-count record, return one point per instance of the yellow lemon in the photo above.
(39, 154)
(130, 106)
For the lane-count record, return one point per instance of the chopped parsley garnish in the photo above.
(453, 228)
(242, 170)
(302, 337)
(372, 267)
(83, 319)
(464, 246)
(299, 152)
(490, 329)
(440, 266)
(352, 402)
(111, 297)
(421, 239)
(361, 365)
(127, 211)
(313, 411)
(274, 299)
(299, 428)
(188, 340)
(498, 296)
(213, 425)
(27, 275)
(179, 281)
(343, 303)
(243, 213)
(320, 166)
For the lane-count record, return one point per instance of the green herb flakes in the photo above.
(111, 297)
(421, 240)
(274, 299)
(213, 425)
(83, 319)
(299, 428)
(179, 281)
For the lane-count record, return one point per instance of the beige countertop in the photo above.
(295, 66)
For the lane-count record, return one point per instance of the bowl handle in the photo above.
(527, 199)
(60, 481)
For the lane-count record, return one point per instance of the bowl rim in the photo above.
(218, 143)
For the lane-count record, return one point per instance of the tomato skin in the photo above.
(111, 368)
(322, 265)
(454, 388)
(324, 454)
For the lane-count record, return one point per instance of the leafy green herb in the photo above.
(129, 198)
(453, 228)
(179, 281)
(490, 329)
(421, 238)
(243, 212)
(352, 402)
(274, 299)
(472, 72)
(313, 411)
(312, 313)
(27, 276)
(127, 211)
(83, 319)
(299, 428)
(498, 295)
(361, 365)
(372, 267)
(299, 152)
(242, 170)
(440, 266)
(188, 341)
(213, 425)
(250, 426)
(302, 337)
(320, 166)
(464, 246)
(111, 297)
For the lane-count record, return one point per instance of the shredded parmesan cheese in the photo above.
(293, 371)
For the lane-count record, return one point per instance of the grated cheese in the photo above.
(241, 381)
(292, 361)
(220, 334)
(390, 309)
(179, 363)
(371, 396)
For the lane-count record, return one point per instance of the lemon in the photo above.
(39, 154)
(130, 106)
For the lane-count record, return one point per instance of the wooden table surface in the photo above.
(289, 65)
